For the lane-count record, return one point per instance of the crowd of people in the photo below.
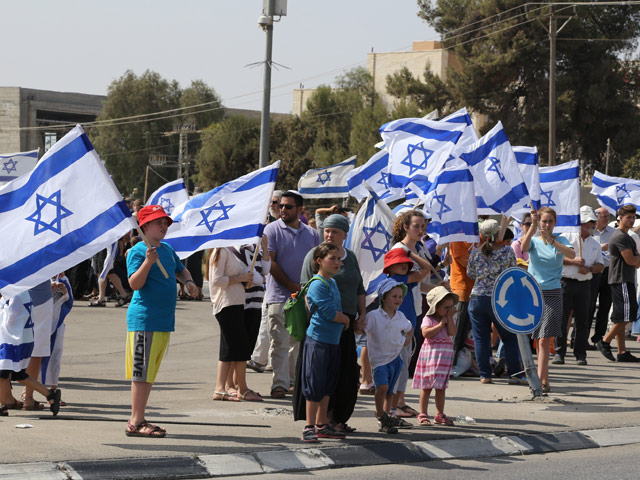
(432, 317)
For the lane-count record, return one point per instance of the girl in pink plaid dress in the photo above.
(436, 356)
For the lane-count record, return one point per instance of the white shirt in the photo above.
(603, 237)
(591, 253)
(385, 336)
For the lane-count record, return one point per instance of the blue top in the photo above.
(153, 307)
(325, 303)
(545, 262)
(408, 305)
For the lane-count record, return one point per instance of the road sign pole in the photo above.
(529, 366)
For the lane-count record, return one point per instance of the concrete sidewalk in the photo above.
(602, 395)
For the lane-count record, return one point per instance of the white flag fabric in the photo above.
(469, 135)
(418, 148)
(109, 260)
(370, 238)
(169, 196)
(499, 185)
(374, 172)
(14, 165)
(527, 158)
(451, 203)
(63, 212)
(327, 182)
(16, 332)
(232, 214)
(560, 190)
(614, 192)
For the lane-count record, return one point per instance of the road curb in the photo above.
(306, 459)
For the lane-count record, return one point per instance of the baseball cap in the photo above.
(150, 213)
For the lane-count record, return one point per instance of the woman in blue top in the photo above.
(321, 351)
(546, 253)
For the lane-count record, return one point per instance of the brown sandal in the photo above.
(278, 392)
(144, 429)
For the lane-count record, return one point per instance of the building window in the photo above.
(50, 138)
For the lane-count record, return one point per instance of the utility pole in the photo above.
(266, 23)
(552, 87)
(606, 157)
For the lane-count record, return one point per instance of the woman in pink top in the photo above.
(516, 245)
(228, 278)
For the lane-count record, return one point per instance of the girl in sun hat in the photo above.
(436, 355)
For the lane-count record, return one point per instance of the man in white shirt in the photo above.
(600, 289)
(576, 278)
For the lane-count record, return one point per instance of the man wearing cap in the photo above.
(600, 289)
(576, 279)
(289, 242)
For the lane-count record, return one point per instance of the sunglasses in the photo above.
(287, 206)
(528, 224)
(274, 202)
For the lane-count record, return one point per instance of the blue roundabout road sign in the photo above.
(517, 300)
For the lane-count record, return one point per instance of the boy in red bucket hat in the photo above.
(151, 313)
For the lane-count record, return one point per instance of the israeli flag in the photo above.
(469, 135)
(560, 190)
(327, 182)
(433, 115)
(374, 172)
(614, 192)
(13, 165)
(109, 260)
(451, 203)
(169, 196)
(499, 185)
(527, 158)
(418, 148)
(63, 212)
(232, 214)
(370, 238)
(16, 332)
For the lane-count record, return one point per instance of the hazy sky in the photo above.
(82, 46)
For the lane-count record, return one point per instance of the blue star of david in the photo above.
(549, 202)
(324, 177)
(495, 167)
(444, 208)
(408, 160)
(625, 193)
(384, 179)
(10, 165)
(210, 224)
(29, 307)
(36, 217)
(166, 204)
(367, 242)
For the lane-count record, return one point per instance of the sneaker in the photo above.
(518, 381)
(627, 357)
(557, 360)
(400, 423)
(385, 424)
(605, 350)
(256, 367)
(309, 435)
(325, 431)
(581, 361)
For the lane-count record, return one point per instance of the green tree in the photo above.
(229, 150)
(428, 95)
(503, 54)
(291, 142)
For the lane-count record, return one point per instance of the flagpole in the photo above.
(146, 242)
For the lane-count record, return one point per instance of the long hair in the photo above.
(404, 220)
(321, 251)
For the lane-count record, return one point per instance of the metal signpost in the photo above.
(517, 304)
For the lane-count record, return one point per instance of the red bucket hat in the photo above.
(396, 256)
(150, 213)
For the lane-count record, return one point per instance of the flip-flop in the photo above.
(225, 397)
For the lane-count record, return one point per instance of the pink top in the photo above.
(517, 249)
(222, 294)
(441, 337)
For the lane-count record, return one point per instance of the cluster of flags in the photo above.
(66, 208)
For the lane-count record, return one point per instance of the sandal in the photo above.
(423, 420)
(442, 419)
(4, 411)
(54, 398)
(16, 405)
(250, 396)
(367, 389)
(35, 406)
(278, 392)
(225, 396)
(122, 301)
(410, 412)
(144, 429)
(98, 303)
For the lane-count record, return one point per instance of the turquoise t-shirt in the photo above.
(153, 307)
(325, 302)
(545, 262)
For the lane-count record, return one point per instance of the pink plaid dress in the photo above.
(436, 359)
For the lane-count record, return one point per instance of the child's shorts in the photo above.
(388, 374)
(144, 353)
(16, 376)
(320, 365)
